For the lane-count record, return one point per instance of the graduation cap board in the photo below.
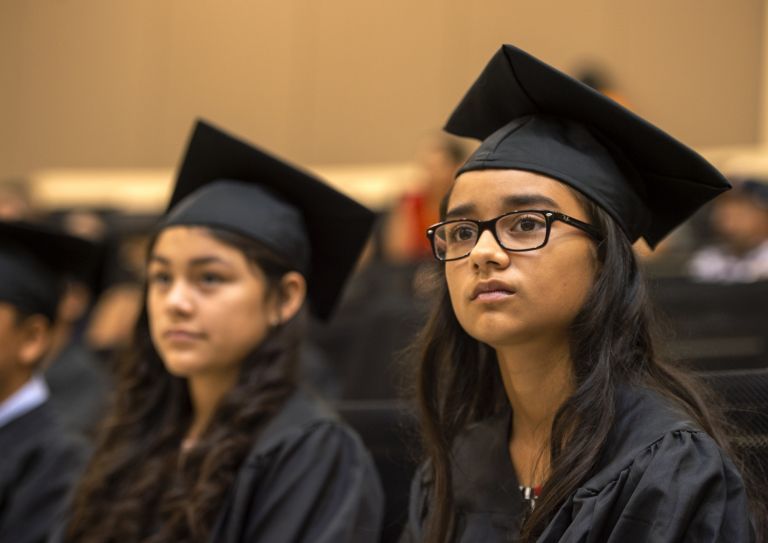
(533, 117)
(34, 261)
(224, 182)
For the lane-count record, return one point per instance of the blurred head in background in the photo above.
(739, 219)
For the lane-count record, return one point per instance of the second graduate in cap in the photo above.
(210, 438)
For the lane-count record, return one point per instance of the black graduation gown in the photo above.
(39, 463)
(660, 480)
(308, 479)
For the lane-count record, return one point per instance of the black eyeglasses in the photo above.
(525, 230)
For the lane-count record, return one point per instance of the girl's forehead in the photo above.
(500, 189)
(185, 242)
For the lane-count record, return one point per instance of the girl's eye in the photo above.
(462, 232)
(528, 223)
(211, 278)
(159, 278)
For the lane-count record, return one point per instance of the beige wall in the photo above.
(100, 83)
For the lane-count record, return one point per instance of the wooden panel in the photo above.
(88, 83)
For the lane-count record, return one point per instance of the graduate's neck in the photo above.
(12, 381)
(206, 393)
(537, 379)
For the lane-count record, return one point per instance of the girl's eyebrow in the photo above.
(198, 261)
(159, 259)
(515, 201)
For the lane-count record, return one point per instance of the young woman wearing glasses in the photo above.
(546, 414)
(210, 437)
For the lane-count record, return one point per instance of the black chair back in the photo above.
(388, 430)
(714, 326)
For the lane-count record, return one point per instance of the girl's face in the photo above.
(208, 306)
(505, 298)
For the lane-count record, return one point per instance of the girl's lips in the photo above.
(491, 291)
(493, 296)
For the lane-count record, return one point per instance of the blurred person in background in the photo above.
(211, 437)
(380, 310)
(595, 75)
(739, 224)
(77, 377)
(40, 460)
(15, 200)
(76, 380)
(403, 229)
(113, 318)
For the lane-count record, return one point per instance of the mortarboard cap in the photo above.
(34, 262)
(227, 183)
(533, 117)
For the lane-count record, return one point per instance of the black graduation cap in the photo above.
(227, 183)
(34, 262)
(534, 117)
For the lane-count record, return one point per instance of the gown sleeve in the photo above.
(680, 489)
(321, 487)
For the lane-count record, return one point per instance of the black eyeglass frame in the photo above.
(490, 224)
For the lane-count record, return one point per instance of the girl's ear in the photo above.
(293, 292)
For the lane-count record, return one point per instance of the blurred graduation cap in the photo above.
(533, 117)
(35, 260)
(227, 183)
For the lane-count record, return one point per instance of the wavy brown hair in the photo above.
(138, 486)
(612, 343)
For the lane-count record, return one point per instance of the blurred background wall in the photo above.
(108, 84)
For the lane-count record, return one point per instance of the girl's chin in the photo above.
(495, 334)
(185, 367)
(188, 367)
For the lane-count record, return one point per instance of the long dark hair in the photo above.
(612, 343)
(138, 486)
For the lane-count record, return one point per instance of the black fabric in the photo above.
(308, 479)
(39, 465)
(533, 117)
(79, 385)
(659, 479)
(250, 210)
(34, 260)
(387, 428)
(227, 183)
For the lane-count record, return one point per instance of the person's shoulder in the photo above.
(660, 478)
(648, 424)
(304, 421)
(40, 428)
(642, 416)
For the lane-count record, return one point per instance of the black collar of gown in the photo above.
(484, 479)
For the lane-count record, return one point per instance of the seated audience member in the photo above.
(77, 378)
(546, 413)
(16, 200)
(597, 76)
(403, 230)
(38, 460)
(739, 221)
(211, 437)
